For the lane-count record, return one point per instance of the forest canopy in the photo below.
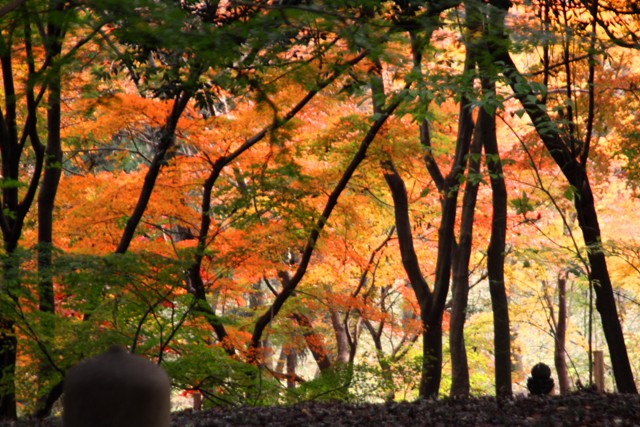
(280, 200)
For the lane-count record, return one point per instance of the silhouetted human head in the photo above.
(116, 389)
(540, 381)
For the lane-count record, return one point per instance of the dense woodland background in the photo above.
(282, 201)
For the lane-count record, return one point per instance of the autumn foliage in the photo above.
(278, 201)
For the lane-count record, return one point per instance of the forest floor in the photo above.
(577, 409)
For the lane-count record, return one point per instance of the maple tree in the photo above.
(218, 183)
(570, 150)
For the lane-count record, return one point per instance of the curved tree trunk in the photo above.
(167, 141)
(576, 175)
(431, 342)
(446, 237)
(8, 366)
(46, 202)
(194, 274)
(13, 209)
(315, 342)
(432, 304)
(265, 319)
(488, 20)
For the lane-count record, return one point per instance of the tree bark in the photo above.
(446, 238)
(559, 352)
(495, 257)
(13, 208)
(432, 304)
(46, 199)
(342, 338)
(488, 20)
(460, 386)
(385, 366)
(292, 363)
(431, 338)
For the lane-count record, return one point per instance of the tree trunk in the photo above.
(292, 363)
(577, 177)
(342, 339)
(460, 386)
(495, 257)
(489, 21)
(601, 282)
(13, 209)
(431, 343)
(8, 350)
(314, 341)
(431, 304)
(46, 204)
(167, 140)
(265, 319)
(8, 340)
(559, 356)
(385, 366)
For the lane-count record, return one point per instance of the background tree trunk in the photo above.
(342, 339)
(314, 341)
(559, 354)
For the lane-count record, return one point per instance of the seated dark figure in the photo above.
(540, 381)
(116, 389)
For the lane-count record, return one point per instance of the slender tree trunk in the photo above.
(13, 210)
(460, 386)
(11, 229)
(431, 345)
(573, 165)
(46, 199)
(265, 319)
(292, 363)
(383, 362)
(605, 299)
(446, 237)
(167, 140)
(489, 20)
(559, 353)
(431, 304)
(495, 257)
(195, 278)
(8, 350)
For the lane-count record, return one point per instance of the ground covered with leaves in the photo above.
(578, 409)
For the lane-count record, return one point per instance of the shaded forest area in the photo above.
(355, 201)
